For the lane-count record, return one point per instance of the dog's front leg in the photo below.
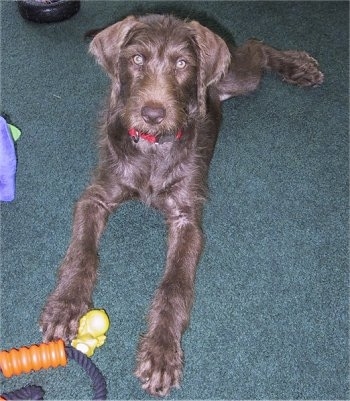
(72, 296)
(159, 359)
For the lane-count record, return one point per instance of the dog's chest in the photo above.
(153, 172)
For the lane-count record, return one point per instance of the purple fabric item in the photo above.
(8, 163)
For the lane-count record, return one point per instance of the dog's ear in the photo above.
(106, 44)
(215, 56)
(214, 59)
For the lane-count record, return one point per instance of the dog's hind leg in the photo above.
(250, 60)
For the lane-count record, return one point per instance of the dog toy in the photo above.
(91, 333)
(8, 161)
(44, 356)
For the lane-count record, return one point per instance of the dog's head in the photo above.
(166, 60)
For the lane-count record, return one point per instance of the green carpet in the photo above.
(271, 317)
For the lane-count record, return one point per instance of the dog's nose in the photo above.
(153, 115)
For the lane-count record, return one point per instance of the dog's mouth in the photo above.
(154, 138)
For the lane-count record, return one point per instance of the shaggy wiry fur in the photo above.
(168, 78)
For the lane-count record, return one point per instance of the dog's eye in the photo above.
(138, 59)
(180, 64)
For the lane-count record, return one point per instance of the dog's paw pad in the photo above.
(60, 319)
(301, 69)
(159, 367)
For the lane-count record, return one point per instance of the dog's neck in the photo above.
(136, 135)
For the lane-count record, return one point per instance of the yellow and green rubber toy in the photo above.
(91, 333)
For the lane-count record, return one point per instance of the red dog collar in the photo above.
(136, 135)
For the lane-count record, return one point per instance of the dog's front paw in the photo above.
(301, 69)
(60, 318)
(159, 365)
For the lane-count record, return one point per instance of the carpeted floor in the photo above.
(271, 318)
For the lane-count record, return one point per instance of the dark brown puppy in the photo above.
(157, 138)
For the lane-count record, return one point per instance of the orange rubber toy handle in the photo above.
(35, 357)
